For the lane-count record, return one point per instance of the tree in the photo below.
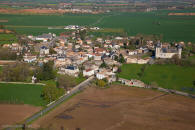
(103, 65)
(16, 72)
(65, 81)
(121, 59)
(51, 93)
(46, 72)
(7, 54)
(51, 51)
(101, 83)
(194, 83)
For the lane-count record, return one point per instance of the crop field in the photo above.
(121, 108)
(21, 94)
(167, 76)
(15, 113)
(172, 28)
(7, 38)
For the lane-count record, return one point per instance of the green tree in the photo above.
(103, 65)
(101, 83)
(51, 93)
(121, 59)
(16, 72)
(7, 54)
(46, 72)
(65, 81)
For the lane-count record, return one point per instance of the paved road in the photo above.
(59, 101)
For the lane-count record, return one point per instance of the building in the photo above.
(29, 58)
(44, 50)
(69, 70)
(88, 72)
(167, 52)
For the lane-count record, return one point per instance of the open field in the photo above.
(173, 28)
(12, 114)
(122, 108)
(21, 94)
(166, 76)
(7, 38)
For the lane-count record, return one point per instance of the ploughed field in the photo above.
(124, 108)
(171, 28)
(13, 114)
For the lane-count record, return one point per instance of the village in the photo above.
(75, 53)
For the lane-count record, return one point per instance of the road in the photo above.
(56, 103)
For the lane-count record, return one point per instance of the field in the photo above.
(167, 76)
(122, 108)
(7, 38)
(173, 28)
(21, 94)
(12, 114)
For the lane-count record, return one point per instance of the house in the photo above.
(133, 60)
(45, 37)
(132, 82)
(97, 57)
(167, 52)
(44, 50)
(88, 72)
(133, 52)
(29, 58)
(69, 70)
(62, 61)
(16, 47)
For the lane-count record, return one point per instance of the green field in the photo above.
(166, 76)
(7, 38)
(173, 28)
(21, 93)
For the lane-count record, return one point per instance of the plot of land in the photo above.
(21, 94)
(168, 76)
(151, 23)
(7, 38)
(122, 108)
(12, 114)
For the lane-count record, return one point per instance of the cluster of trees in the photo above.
(120, 58)
(51, 93)
(46, 71)
(66, 82)
(7, 54)
(16, 72)
(101, 83)
(177, 61)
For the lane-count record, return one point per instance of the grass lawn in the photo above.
(167, 76)
(21, 93)
(7, 38)
(78, 80)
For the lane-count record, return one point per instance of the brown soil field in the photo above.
(121, 108)
(182, 14)
(11, 114)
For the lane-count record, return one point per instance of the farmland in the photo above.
(21, 94)
(7, 38)
(173, 28)
(121, 108)
(12, 113)
(167, 76)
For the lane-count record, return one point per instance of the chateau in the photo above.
(165, 51)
